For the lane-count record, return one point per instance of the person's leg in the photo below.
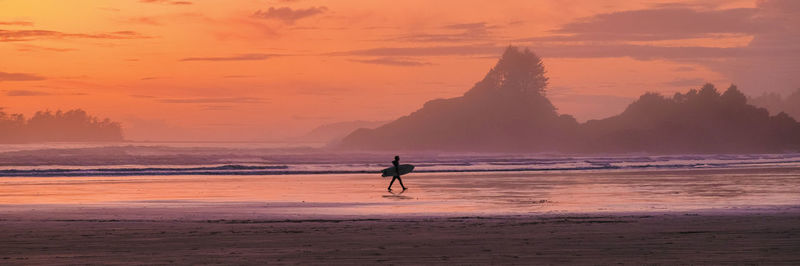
(401, 183)
(390, 183)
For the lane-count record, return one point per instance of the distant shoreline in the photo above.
(287, 170)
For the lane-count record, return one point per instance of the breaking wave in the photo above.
(450, 164)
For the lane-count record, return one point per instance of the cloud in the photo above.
(769, 62)
(13, 93)
(478, 31)
(700, 4)
(477, 26)
(16, 23)
(612, 34)
(110, 9)
(659, 24)
(241, 57)
(642, 52)
(152, 21)
(217, 107)
(213, 100)
(311, 117)
(322, 90)
(289, 15)
(30, 35)
(685, 82)
(37, 48)
(166, 2)
(445, 50)
(5, 76)
(392, 61)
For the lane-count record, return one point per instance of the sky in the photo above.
(244, 70)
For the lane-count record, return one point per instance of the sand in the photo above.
(754, 238)
(722, 216)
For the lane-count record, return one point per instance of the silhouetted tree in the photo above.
(517, 72)
(698, 121)
(775, 103)
(11, 127)
(72, 125)
(734, 97)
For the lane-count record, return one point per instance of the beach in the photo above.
(684, 216)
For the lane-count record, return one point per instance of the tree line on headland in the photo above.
(508, 111)
(46, 126)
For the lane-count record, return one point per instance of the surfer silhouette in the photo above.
(396, 164)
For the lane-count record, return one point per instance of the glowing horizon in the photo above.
(267, 70)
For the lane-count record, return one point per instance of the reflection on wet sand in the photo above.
(479, 193)
(397, 195)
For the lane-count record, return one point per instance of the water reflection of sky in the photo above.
(472, 193)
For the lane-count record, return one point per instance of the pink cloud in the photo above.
(16, 23)
(29, 35)
(289, 15)
(241, 57)
(5, 76)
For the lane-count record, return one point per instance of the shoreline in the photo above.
(441, 193)
(97, 171)
(185, 211)
(701, 216)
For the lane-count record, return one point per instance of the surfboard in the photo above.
(404, 169)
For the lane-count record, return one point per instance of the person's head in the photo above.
(396, 158)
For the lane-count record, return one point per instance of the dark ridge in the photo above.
(508, 111)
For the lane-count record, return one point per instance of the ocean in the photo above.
(208, 158)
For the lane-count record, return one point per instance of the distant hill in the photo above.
(505, 111)
(776, 104)
(70, 126)
(508, 111)
(334, 132)
(699, 121)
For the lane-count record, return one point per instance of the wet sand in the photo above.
(740, 216)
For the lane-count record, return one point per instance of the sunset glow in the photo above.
(271, 70)
(418, 132)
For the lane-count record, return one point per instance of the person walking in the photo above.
(396, 164)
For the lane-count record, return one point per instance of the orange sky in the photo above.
(265, 70)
